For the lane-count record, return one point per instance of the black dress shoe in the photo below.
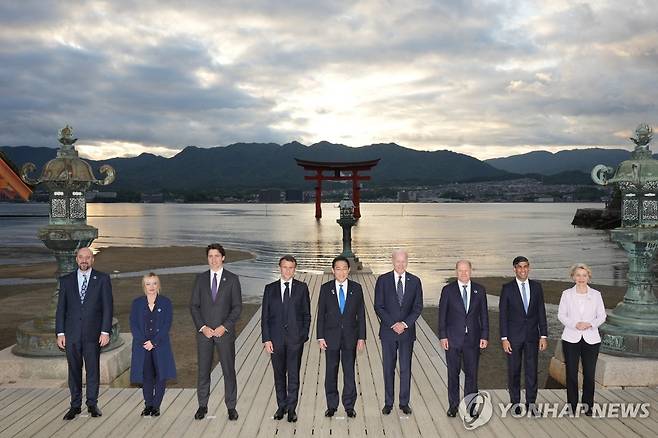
(201, 413)
(292, 417)
(387, 409)
(70, 415)
(330, 412)
(232, 414)
(147, 411)
(350, 413)
(94, 411)
(280, 412)
(452, 412)
(406, 409)
(155, 412)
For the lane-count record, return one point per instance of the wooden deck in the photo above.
(38, 412)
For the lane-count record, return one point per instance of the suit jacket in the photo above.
(295, 328)
(390, 311)
(227, 307)
(453, 319)
(515, 324)
(162, 317)
(569, 314)
(84, 322)
(336, 328)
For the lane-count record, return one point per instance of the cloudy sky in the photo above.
(485, 78)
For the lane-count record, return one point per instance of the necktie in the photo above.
(286, 301)
(214, 287)
(400, 290)
(524, 294)
(83, 289)
(341, 299)
(465, 298)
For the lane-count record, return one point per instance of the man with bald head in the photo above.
(463, 331)
(83, 323)
(398, 304)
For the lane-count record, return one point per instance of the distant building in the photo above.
(269, 196)
(101, 196)
(152, 198)
(545, 199)
(294, 196)
(407, 196)
(11, 184)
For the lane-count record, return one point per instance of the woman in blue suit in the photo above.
(152, 358)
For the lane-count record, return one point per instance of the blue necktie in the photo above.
(341, 298)
(465, 298)
(400, 290)
(524, 294)
(83, 289)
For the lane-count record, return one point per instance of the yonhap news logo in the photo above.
(477, 410)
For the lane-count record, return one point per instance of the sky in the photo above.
(484, 78)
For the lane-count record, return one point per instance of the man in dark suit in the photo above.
(463, 331)
(285, 322)
(398, 304)
(341, 331)
(216, 305)
(523, 331)
(83, 323)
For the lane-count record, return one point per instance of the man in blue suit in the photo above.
(463, 331)
(285, 322)
(83, 323)
(398, 304)
(523, 331)
(341, 330)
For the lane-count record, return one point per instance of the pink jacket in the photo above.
(569, 315)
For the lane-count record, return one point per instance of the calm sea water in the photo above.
(436, 235)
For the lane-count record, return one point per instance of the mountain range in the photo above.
(269, 165)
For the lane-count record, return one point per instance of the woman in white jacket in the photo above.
(581, 311)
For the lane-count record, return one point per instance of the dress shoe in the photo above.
(350, 412)
(147, 411)
(405, 409)
(232, 414)
(280, 412)
(292, 416)
(155, 412)
(201, 413)
(94, 411)
(452, 412)
(70, 415)
(387, 409)
(330, 412)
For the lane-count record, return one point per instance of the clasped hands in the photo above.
(399, 328)
(583, 325)
(218, 332)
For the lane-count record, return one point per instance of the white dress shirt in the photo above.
(283, 288)
(338, 290)
(468, 293)
(584, 308)
(403, 276)
(219, 280)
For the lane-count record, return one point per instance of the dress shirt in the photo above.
(283, 288)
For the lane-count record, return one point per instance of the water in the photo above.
(436, 236)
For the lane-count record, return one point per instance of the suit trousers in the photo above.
(524, 354)
(76, 354)
(225, 346)
(391, 350)
(346, 357)
(466, 357)
(153, 387)
(587, 354)
(286, 362)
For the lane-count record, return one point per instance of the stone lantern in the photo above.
(67, 178)
(347, 221)
(631, 329)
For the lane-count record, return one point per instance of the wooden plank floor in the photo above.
(37, 412)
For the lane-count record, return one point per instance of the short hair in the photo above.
(147, 276)
(468, 262)
(400, 251)
(83, 248)
(340, 258)
(288, 258)
(520, 259)
(216, 246)
(575, 267)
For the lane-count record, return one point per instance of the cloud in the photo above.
(482, 78)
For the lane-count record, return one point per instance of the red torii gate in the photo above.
(338, 171)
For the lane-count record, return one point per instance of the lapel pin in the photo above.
(333, 292)
(159, 309)
(94, 277)
(474, 291)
